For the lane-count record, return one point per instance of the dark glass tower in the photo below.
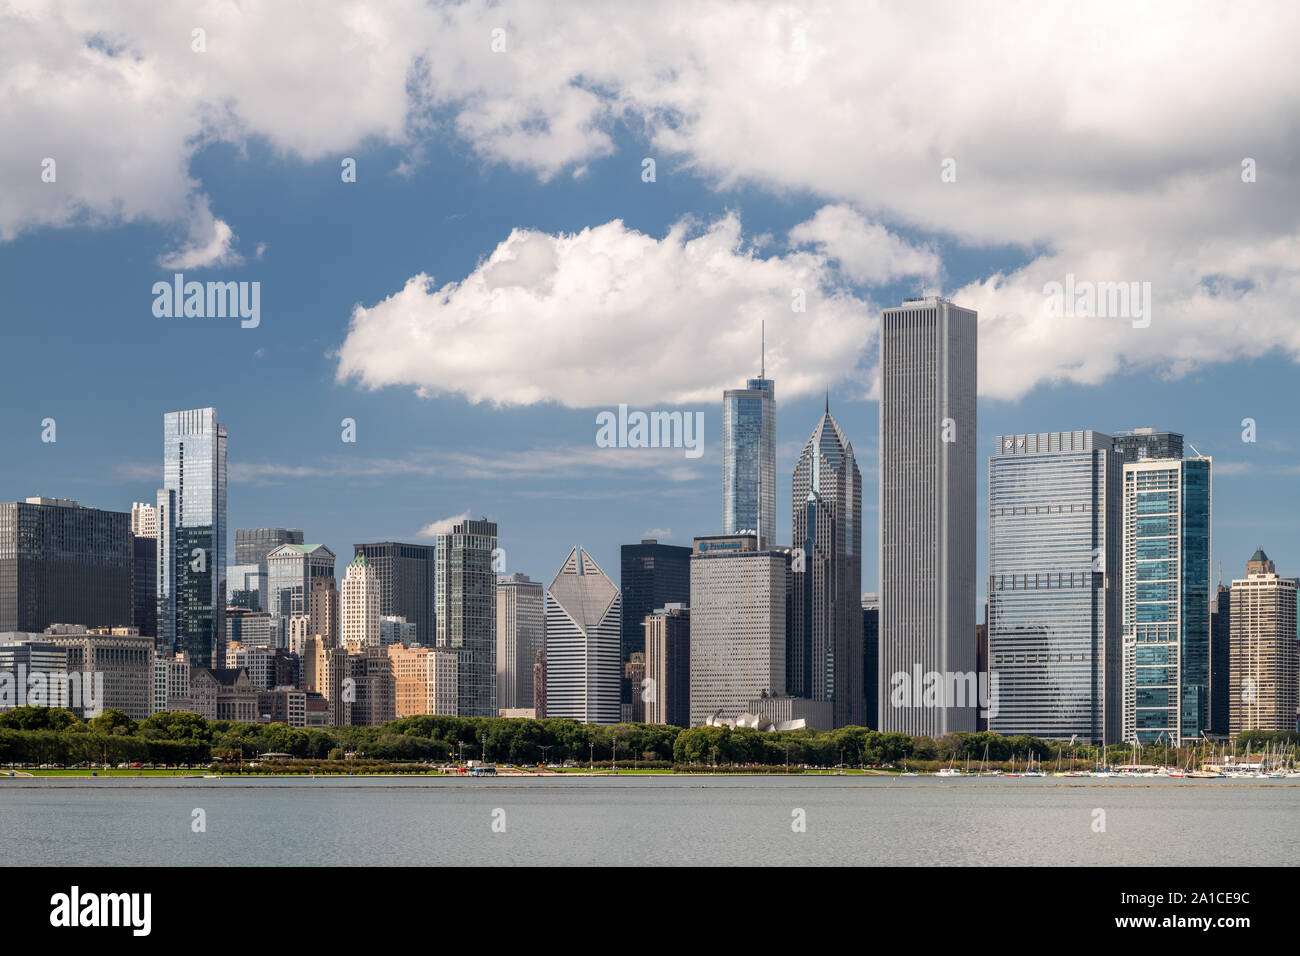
(1147, 443)
(406, 583)
(252, 545)
(1220, 658)
(652, 575)
(466, 587)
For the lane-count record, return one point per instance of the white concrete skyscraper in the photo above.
(583, 637)
(359, 606)
(749, 457)
(521, 633)
(927, 510)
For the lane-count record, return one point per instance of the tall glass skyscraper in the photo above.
(1054, 562)
(1166, 583)
(749, 458)
(583, 611)
(927, 505)
(824, 660)
(192, 537)
(466, 613)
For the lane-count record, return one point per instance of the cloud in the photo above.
(442, 525)
(866, 251)
(659, 534)
(610, 315)
(210, 242)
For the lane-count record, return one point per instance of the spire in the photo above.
(828, 401)
(762, 350)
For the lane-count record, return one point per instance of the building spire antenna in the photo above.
(828, 401)
(762, 350)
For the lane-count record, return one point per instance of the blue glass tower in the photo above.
(192, 537)
(1167, 599)
(749, 458)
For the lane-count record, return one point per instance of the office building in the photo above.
(407, 582)
(666, 694)
(257, 659)
(323, 608)
(373, 686)
(1143, 443)
(822, 661)
(583, 638)
(144, 568)
(192, 539)
(927, 506)
(1054, 638)
(63, 562)
(633, 684)
(748, 459)
(466, 612)
(171, 680)
(120, 655)
(397, 630)
(246, 586)
(1166, 588)
(651, 576)
(740, 606)
(34, 672)
(425, 680)
(871, 658)
(291, 569)
(252, 545)
(248, 628)
(1220, 656)
(1264, 675)
(359, 606)
(521, 633)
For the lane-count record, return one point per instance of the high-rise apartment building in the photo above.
(740, 608)
(521, 633)
(1166, 599)
(1264, 668)
(466, 613)
(61, 562)
(1143, 443)
(1054, 633)
(426, 680)
(823, 660)
(407, 581)
(144, 569)
(927, 506)
(359, 606)
(1220, 656)
(871, 658)
(583, 637)
(192, 539)
(667, 690)
(749, 458)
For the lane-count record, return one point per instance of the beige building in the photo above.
(120, 654)
(324, 608)
(171, 679)
(426, 680)
(359, 604)
(220, 694)
(1264, 661)
(666, 693)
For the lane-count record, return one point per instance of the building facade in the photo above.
(521, 633)
(1264, 666)
(466, 584)
(192, 541)
(1143, 443)
(825, 650)
(1054, 561)
(651, 575)
(927, 505)
(359, 606)
(583, 638)
(290, 571)
(407, 583)
(144, 569)
(1166, 603)
(740, 608)
(667, 690)
(749, 459)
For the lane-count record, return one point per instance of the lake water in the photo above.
(663, 820)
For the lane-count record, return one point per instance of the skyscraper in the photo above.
(521, 633)
(749, 458)
(1220, 656)
(871, 658)
(466, 611)
(252, 545)
(1264, 681)
(406, 583)
(359, 606)
(1054, 560)
(192, 537)
(652, 575)
(583, 635)
(927, 505)
(740, 607)
(1166, 587)
(825, 653)
(291, 569)
(64, 563)
(144, 570)
(668, 666)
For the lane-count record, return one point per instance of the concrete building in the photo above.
(257, 660)
(291, 571)
(407, 583)
(466, 584)
(651, 575)
(373, 686)
(121, 655)
(425, 680)
(583, 643)
(220, 694)
(1141, 443)
(1166, 599)
(282, 705)
(740, 607)
(927, 504)
(192, 542)
(633, 690)
(248, 627)
(521, 633)
(822, 661)
(1055, 547)
(359, 606)
(171, 680)
(667, 691)
(144, 568)
(1264, 666)
(63, 562)
(33, 672)
(397, 630)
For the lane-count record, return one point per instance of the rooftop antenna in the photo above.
(762, 351)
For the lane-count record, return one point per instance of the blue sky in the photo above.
(85, 349)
